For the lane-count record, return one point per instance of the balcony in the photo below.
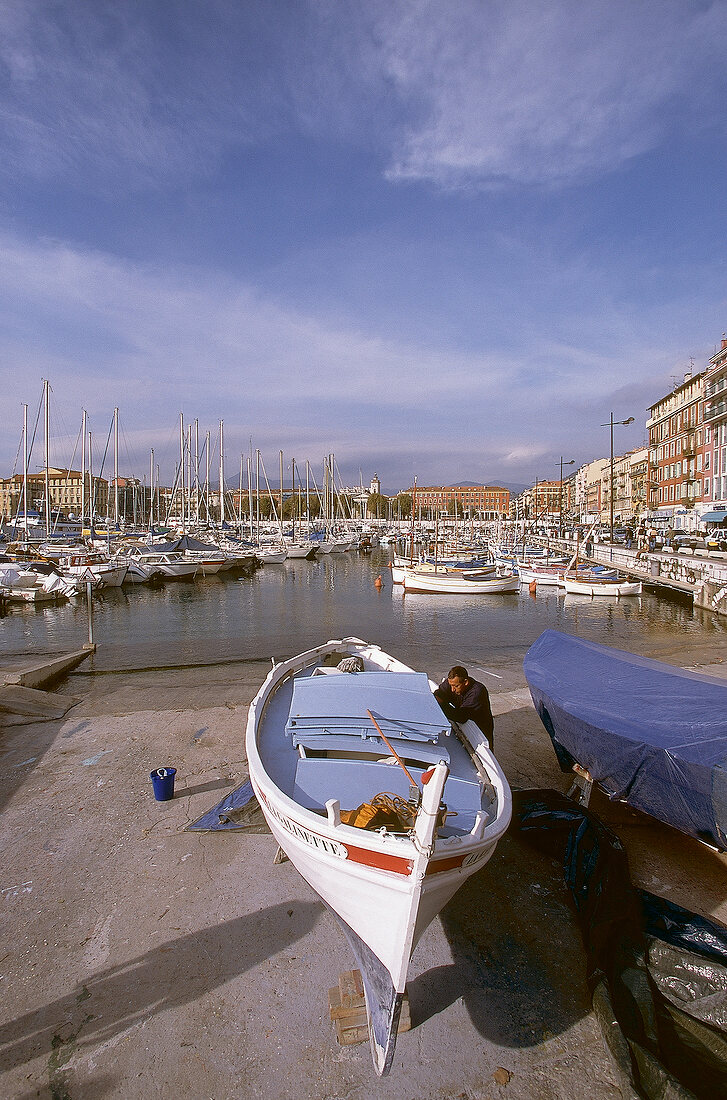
(689, 444)
(714, 410)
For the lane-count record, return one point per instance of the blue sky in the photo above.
(442, 240)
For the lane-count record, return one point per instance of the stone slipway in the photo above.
(141, 960)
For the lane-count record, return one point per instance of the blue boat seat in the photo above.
(353, 783)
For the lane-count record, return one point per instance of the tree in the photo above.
(376, 505)
(402, 505)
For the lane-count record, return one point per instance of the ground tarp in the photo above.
(239, 810)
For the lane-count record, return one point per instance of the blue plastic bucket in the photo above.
(163, 783)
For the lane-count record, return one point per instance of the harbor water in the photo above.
(283, 609)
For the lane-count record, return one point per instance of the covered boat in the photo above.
(344, 736)
(651, 734)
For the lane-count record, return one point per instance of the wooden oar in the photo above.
(393, 751)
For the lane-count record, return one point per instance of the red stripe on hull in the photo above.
(380, 860)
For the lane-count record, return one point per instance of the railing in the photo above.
(714, 411)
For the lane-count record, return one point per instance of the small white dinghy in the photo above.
(607, 586)
(344, 730)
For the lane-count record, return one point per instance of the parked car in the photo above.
(688, 543)
(716, 540)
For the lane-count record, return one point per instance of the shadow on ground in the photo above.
(518, 959)
(173, 974)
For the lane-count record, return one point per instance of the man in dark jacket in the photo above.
(462, 698)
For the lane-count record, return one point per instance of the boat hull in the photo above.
(455, 585)
(384, 887)
(601, 588)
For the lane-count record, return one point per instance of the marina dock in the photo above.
(142, 959)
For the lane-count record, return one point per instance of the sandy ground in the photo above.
(141, 960)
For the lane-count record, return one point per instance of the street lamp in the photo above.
(560, 494)
(611, 423)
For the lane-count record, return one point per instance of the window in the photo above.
(706, 486)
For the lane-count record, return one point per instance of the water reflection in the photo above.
(285, 608)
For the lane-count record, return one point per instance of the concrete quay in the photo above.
(141, 960)
(701, 577)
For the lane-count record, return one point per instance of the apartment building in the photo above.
(676, 450)
(64, 490)
(714, 462)
(630, 478)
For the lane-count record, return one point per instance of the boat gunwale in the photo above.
(382, 842)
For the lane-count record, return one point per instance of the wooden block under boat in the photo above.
(347, 1008)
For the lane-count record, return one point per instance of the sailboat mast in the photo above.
(181, 467)
(151, 489)
(116, 467)
(91, 487)
(222, 472)
(207, 479)
(46, 433)
(257, 495)
(249, 492)
(307, 495)
(25, 470)
(83, 470)
(196, 470)
(292, 467)
(239, 499)
(280, 515)
(189, 475)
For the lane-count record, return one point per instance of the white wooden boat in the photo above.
(420, 580)
(322, 740)
(549, 575)
(607, 586)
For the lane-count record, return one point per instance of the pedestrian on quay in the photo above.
(462, 698)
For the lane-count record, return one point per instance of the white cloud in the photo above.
(107, 333)
(519, 90)
(462, 93)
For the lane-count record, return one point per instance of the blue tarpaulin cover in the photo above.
(403, 705)
(649, 733)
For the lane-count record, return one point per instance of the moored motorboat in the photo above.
(172, 566)
(337, 732)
